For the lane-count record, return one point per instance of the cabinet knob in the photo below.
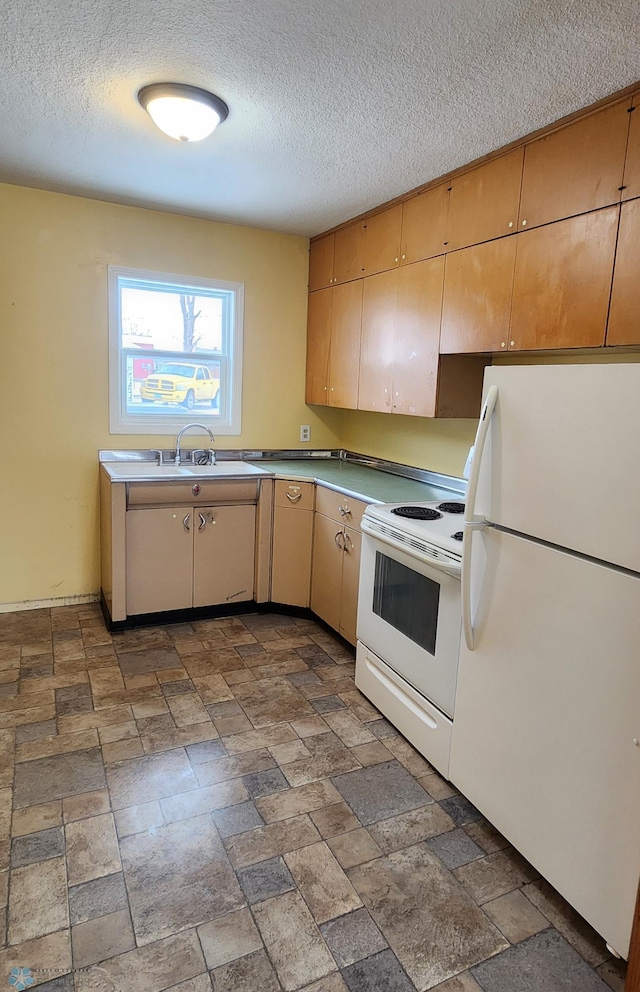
(395, 259)
(510, 223)
(512, 344)
(404, 256)
(524, 223)
(503, 344)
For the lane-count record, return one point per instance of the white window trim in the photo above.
(120, 422)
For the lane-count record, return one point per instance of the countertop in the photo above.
(373, 485)
(369, 484)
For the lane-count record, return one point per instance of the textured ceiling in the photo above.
(335, 105)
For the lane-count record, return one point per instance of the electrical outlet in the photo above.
(305, 432)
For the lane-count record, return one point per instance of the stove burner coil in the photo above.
(417, 512)
(451, 507)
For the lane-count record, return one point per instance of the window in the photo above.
(175, 352)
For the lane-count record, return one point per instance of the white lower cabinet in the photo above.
(178, 557)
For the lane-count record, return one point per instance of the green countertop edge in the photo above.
(369, 484)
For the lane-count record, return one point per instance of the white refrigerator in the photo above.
(547, 716)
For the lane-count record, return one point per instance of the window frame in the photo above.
(221, 423)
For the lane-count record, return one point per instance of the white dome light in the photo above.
(184, 112)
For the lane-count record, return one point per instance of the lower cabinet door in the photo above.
(224, 539)
(326, 574)
(350, 579)
(291, 562)
(159, 559)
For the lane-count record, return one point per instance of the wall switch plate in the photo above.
(305, 432)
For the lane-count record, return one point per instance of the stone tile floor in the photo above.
(214, 806)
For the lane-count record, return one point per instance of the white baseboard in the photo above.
(43, 604)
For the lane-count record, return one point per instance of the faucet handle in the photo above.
(212, 456)
(159, 453)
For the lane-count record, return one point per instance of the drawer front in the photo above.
(192, 493)
(296, 494)
(343, 509)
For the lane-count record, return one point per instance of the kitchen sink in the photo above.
(140, 471)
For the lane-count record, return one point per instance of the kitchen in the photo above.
(51, 546)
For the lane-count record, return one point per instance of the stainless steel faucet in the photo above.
(189, 427)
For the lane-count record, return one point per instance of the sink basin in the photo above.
(140, 471)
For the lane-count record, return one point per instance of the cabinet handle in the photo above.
(336, 539)
(185, 522)
(203, 522)
(344, 511)
(294, 499)
(348, 544)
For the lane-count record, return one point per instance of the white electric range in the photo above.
(409, 619)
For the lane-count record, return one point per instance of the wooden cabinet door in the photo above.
(382, 240)
(344, 356)
(424, 224)
(377, 351)
(575, 169)
(318, 343)
(478, 284)
(291, 561)
(326, 572)
(484, 202)
(631, 181)
(350, 582)
(624, 313)
(321, 263)
(562, 283)
(224, 543)
(159, 556)
(348, 253)
(415, 369)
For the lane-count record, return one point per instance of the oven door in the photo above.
(409, 615)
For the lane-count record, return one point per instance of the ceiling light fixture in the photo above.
(184, 112)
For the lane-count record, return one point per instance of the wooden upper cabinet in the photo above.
(624, 313)
(348, 253)
(377, 351)
(415, 373)
(318, 338)
(424, 225)
(562, 283)
(382, 240)
(321, 263)
(631, 181)
(478, 285)
(575, 169)
(484, 202)
(344, 354)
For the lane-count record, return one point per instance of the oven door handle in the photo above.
(472, 521)
(450, 567)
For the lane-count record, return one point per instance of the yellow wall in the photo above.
(439, 445)
(54, 413)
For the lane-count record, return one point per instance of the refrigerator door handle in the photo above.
(471, 520)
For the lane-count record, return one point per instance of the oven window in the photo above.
(407, 600)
